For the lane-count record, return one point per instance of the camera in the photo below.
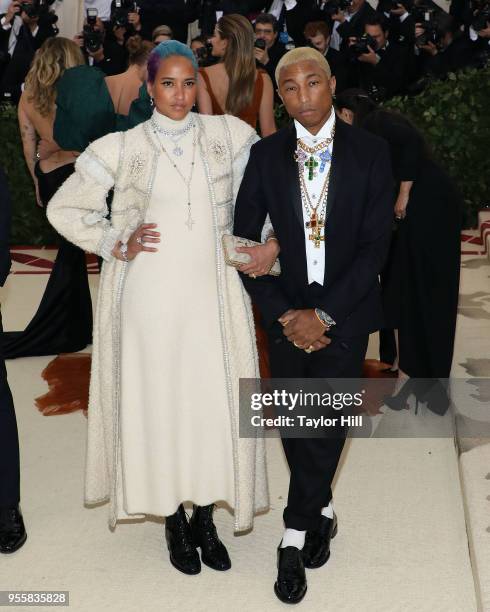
(332, 7)
(260, 44)
(120, 14)
(481, 18)
(431, 34)
(360, 47)
(37, 8)
(92, 38)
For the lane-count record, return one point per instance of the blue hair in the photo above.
(168, 48)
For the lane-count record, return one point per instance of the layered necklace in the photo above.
(187, 181)
(174, 135)
(312, 158)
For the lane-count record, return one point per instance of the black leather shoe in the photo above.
(316, 550)
(12, 531)
(183, 553)
(290, 586)
(205, 536)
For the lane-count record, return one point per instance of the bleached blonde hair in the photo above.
(302, 54)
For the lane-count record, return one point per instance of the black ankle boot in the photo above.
(183, 553)
(205, 536)
(12, 531)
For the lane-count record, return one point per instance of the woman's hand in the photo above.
(136, 243)
(45, 148)
(401, 206)
(262, 256)
(38, 197)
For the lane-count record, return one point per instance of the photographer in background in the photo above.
(382, 66)
(401, 24)
(349, 16)
(24, 28)
(268, 48)
(479, 33)
(317, 33)
(177, 14)
(443, 47)
(106, 55)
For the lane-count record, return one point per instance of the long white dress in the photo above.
(176, 442)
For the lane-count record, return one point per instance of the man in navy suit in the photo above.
(12, 530)
(328, 190)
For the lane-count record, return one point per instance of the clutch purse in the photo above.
(232, 258)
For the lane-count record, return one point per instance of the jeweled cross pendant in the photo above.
(311, 164)
(315, 226)
(324, 157)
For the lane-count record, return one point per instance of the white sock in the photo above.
(328, 511)
(295, 538)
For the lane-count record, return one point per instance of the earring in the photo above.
(152, 101)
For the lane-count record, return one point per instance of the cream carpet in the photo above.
(401, 545)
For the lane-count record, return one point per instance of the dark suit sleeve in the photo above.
(5, 219)
(250, 214)
(344, 295)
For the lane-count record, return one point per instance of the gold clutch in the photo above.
(232, 258)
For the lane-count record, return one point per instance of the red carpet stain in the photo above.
(68, 378)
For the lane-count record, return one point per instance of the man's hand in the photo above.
(302, 327)
(134, 19)
(340, 17)
(12, 10)
(430, 48)
(261, 56)
(485, 33)
(401, 206)
(78, 39)
(369, 58)
(97, 55)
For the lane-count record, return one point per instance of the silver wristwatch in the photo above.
(123, 249)
(324, 318)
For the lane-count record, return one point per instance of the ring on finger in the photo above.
(296, 345)
(309, 349)
(139, 240)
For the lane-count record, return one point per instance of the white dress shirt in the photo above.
(315, 256)
(336, 39)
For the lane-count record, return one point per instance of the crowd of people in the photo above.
(355, 255)
(394, 49)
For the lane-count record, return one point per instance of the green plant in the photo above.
(453, 116)
(29, 223)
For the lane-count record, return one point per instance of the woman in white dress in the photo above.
(174, 330)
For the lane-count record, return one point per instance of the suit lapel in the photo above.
(291, 178)
(336, 168)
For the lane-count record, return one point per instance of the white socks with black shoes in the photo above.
(293, 537)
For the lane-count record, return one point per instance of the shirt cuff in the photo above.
(290, 4)
(473, 34)
(403, 17)
(5, 25)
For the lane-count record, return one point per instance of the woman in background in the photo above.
(234, 85)
(124, 88)
(63, 321)
(421, 286)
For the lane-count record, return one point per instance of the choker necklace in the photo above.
(174, 135)
(187, 182)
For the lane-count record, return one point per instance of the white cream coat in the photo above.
(127, 162)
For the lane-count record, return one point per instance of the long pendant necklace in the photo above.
(190, 221)
(316, 222)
